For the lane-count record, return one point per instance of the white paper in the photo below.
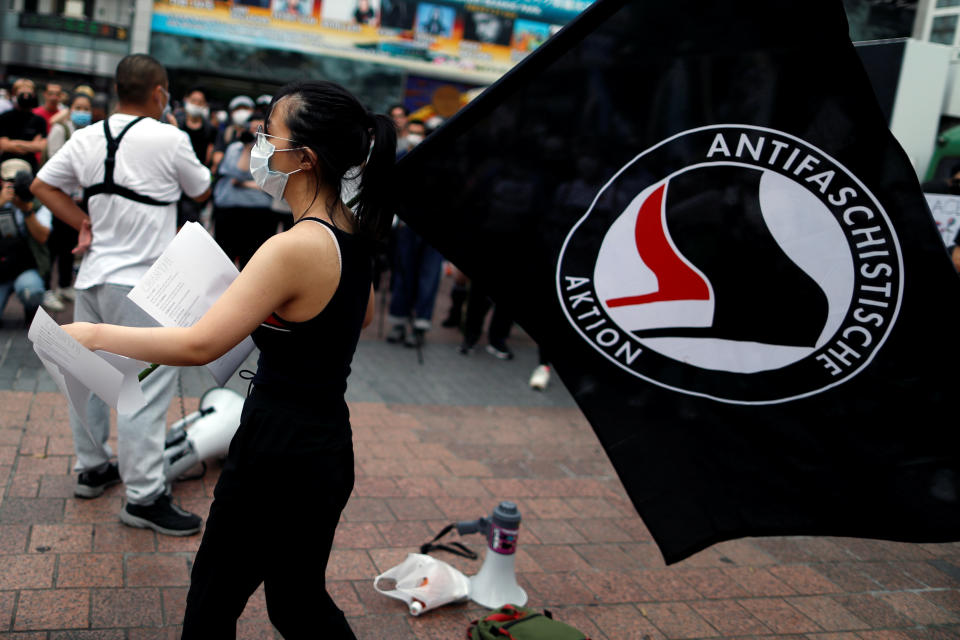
(77, 371)
(184, 282)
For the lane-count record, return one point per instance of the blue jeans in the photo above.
(29, 289)
(415, 279)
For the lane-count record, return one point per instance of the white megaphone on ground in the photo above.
(496, 583)
(210, 431)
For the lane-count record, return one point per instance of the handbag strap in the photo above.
(456, 548)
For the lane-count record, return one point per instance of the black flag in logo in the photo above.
(698, 211)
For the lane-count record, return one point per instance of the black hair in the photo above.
(398, 106)
(137, 75)
(196, 88)
(419, 122)
(329, 120)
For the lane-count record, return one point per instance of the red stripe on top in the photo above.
(677, 280)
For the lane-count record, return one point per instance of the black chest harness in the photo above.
(108, 186)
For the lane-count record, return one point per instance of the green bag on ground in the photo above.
(521, 623)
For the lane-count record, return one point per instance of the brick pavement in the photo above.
(438, 442)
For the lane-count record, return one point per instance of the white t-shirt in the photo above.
(154, 160)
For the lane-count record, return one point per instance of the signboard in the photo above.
(79, 26)
(475, 39)
(946, 213)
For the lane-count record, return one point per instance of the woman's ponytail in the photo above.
(373, 210)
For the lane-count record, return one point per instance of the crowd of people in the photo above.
(240, 215)
(113, 189)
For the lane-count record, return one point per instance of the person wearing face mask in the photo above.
(63, 237)
(194, 120)
(304, 297)
(241, 108)
(132, 169)
(23, 133)
(243, 219)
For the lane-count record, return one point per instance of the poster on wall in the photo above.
(477, 40)
(946, 213)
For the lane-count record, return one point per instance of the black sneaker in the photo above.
(500, 350)
(92, 484)
(465, 348)
(396, 334)
(162, 516)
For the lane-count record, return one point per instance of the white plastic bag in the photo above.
(424, 583)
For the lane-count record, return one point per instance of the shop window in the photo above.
(944, 29)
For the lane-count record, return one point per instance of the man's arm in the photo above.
(61, 204)
(203, 196)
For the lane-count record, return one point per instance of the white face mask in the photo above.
(195, 110)
(414, 139)
(274, 183)
(240, 116)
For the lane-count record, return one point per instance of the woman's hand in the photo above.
(83, 332)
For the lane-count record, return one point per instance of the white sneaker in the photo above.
(51, 302)
(540, 377)
(69, 294)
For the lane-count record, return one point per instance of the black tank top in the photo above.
(314, 356)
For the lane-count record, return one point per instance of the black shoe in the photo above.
(92, 484)
(162, 516)
(414, 339)
(397, 334)
(465, 348)
(500, 350)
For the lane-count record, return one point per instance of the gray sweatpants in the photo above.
(140, 435)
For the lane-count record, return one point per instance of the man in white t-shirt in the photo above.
(132, 219)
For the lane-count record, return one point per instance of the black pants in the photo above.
(287, 477)
(62, 241)
(478, 304)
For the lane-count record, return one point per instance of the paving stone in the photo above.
(678, 620)
(624, 622)
(385, 626)
(52, 609)
(128, 607)
(803, 579)
(729, 618)
(779, 616)
(26, 571)
(441, 624)
(90, 570)
(560, 588)
(918, 608)
(872, 609)
(111, 536)
(61, 538)
(612, 586)
(7, 599)
(31, 511)
(349, 564)
(712, 583)
(156, 570)
(93, 634)
(827, 613)
(758, 582)
(13, 538)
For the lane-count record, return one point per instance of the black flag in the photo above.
(697, 210)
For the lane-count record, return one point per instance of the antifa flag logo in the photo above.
(736, 263)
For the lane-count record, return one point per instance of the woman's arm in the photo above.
(268, 281)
